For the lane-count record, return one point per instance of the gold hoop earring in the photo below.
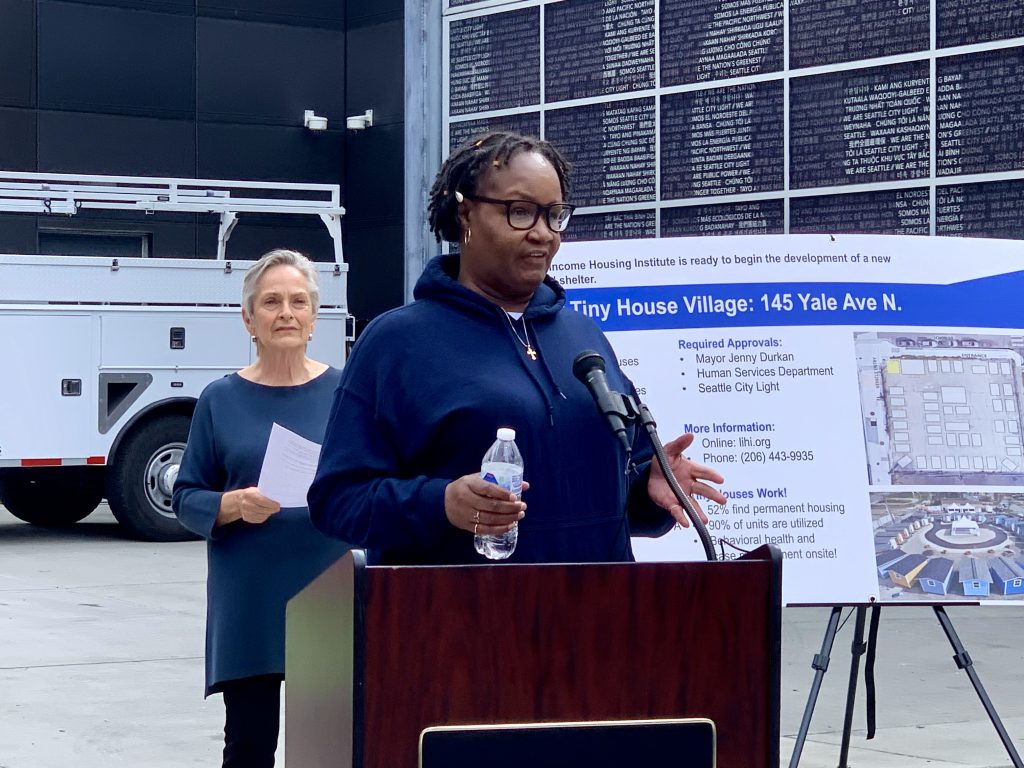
(468, 236)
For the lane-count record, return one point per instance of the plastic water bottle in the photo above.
(502, 465)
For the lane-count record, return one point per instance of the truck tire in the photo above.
(51, 497)
(141, 478)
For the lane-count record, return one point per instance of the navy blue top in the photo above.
(421, 397)
(253, 570)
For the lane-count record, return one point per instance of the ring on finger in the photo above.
(476, 516)
(475, 526)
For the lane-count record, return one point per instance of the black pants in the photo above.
(252, 721)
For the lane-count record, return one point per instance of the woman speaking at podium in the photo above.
(489, 343)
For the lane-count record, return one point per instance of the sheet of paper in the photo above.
(288, 467)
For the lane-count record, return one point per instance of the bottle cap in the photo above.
(506, 433)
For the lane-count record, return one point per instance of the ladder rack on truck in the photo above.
(54, 193)
(106, 357)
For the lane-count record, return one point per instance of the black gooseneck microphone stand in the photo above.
(619, 412)
(633, 411)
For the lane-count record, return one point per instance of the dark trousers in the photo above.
(252, 708)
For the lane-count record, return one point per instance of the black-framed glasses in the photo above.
(523, 214)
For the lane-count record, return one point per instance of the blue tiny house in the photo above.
(1007, 576)
(934, 577)
(975, 579)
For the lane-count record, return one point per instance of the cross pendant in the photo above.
(531, 353)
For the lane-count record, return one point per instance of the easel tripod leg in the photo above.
(820, 665)
(964, 662)
(857, 649)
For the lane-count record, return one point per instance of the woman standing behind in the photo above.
(259, 555)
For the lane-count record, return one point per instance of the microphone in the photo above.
(589, 368)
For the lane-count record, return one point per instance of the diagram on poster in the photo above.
(861, 394)
(941, 409)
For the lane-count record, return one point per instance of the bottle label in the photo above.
(511, 479)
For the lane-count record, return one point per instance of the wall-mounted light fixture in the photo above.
(314, 122)
(359, 122)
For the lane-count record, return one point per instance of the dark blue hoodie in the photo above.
(421, 397)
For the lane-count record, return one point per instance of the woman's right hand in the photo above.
(246, 504)
(482, 508)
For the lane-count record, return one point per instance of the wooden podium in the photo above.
(377, 655)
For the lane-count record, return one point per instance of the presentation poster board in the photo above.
(862, 394)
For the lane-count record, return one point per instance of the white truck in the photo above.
(103, 358)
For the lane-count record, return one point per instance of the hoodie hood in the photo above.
(440, 282)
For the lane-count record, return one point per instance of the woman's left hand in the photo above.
(693, 478)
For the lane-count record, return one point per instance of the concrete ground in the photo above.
(101, 664)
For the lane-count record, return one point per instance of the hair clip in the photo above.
(459, 197)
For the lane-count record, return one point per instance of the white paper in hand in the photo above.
(289, 466)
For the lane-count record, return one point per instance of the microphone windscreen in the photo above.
(585, 362)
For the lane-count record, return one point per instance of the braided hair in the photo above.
(464, 167)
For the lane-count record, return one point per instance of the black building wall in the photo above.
(212, 89)
(375, 158)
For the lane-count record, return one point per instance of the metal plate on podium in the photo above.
(682, 743)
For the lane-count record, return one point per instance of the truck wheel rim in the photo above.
(161, 471)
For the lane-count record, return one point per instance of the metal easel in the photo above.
(858, 648)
